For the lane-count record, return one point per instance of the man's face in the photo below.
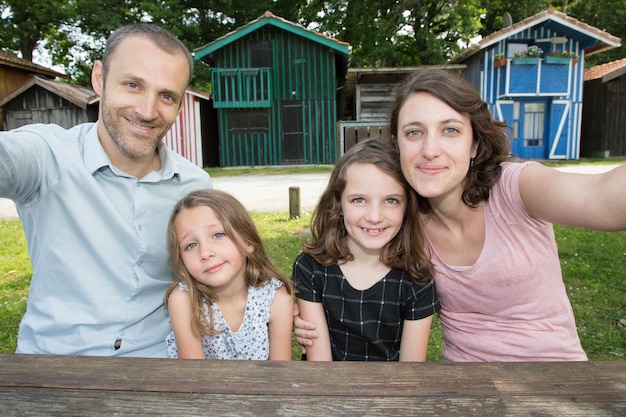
(140, 97)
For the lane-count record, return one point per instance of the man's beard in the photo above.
(110, 119)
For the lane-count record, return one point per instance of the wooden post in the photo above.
(294, 202)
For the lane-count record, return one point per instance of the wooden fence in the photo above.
(350, 133)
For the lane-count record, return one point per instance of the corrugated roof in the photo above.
(76, 94)
(607, 71)
(11, 60)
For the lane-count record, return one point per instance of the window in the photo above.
(261, 54)
(513, 48)
(534, 123)
(248, 121)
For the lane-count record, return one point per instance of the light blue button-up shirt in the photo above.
(96, 239)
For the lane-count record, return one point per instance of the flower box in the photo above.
(526, 60)
(557, 60)
(499, 63)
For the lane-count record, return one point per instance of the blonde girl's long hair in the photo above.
(241, 229)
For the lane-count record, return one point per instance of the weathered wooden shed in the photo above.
(369, 94)
(16, 71)
(603, 131)
(276, 89)
(39, 100)
(540, 98)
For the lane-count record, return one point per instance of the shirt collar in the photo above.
(93, 153)
(96, 158)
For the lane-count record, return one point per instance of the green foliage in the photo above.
(25, 23)
(392, 33)
(518, 9)
(381, 32)
(608, 16)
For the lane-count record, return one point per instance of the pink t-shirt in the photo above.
(511, 305)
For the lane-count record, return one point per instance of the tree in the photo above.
(381, 32)
(24, 24)
(396, 33)
(609, 16)
(74, 31)
(518, 9)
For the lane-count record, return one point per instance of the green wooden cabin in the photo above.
(277, 91)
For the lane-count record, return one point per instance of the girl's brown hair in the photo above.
(240, 228)
(328, 243)
(490, 138)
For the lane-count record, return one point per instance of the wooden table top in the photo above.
(72, 385)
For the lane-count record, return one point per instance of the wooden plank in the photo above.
(49, 385)
(349, 137)
(250, 377)
(329, 378)
(34, 402)
(362, 133)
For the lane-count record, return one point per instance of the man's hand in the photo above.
(303, 330)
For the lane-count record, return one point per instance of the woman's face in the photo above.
(436, 145)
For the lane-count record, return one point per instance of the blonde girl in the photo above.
(229, 301)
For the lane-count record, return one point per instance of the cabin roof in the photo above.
(268, 18)
(607, 72)
(13, 61)
(76, 94)
(592, 40)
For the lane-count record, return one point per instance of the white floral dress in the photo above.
(251, 341)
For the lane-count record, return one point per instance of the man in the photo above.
(95, 201)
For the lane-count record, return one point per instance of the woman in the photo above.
(488, 224)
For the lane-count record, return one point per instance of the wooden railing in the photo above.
(350, 132)
(242, 87)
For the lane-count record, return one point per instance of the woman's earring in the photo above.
(471, 162)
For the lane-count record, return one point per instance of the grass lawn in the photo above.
(594, 268)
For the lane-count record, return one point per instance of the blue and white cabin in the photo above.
(539, 97)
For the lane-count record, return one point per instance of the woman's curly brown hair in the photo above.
(489, 134)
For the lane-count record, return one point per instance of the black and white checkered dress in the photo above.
(364, 325)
